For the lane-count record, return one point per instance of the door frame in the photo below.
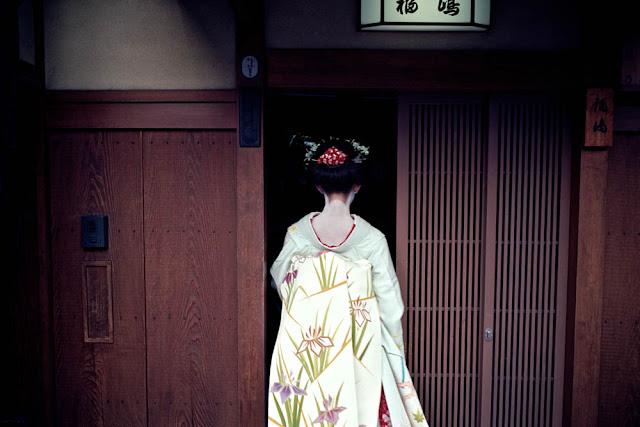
(350, 70)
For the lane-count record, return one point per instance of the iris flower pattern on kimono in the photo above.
(326, 368)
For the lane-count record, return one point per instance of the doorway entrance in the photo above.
(369, 118)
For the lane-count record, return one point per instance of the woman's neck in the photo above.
(334, 223)
(337, 205)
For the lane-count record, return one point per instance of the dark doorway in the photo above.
(369, 119)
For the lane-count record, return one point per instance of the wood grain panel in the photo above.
(619, 391)
(142, 115)
(190, 265)
(95, 172)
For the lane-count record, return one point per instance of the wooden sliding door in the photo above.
(146, 329)
(483, 204)
(163, 326)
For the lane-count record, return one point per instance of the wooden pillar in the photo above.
(250, 211)
(590, 257)
(47, 359)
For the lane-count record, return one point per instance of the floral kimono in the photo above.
(340, 339)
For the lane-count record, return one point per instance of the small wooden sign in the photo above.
(599, 118)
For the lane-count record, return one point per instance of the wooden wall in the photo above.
(603, 347)
(157, 110)
(619, 391)
(148, 331)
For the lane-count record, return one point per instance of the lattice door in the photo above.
(483, 207)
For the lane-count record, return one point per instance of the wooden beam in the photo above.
(251, 285)
(142, 115)
(47, 348)
(422, 70)
(589, 284)
(589, 278)
(251, 244)
(103, 96)
(162, 109)
(249, 39)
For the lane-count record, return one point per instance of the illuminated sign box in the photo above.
(424, 15)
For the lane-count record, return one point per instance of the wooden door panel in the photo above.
(527, 263)
(98, 172)
(190, 266)
(442, 241)
(483, 202)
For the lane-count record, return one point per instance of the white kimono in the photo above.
(340, 336)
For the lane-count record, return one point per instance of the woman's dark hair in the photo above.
(338, 178)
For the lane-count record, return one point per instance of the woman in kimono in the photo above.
(338, 359)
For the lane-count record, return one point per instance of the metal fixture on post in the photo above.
(424, 15)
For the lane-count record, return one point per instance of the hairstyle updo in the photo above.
(338, 178)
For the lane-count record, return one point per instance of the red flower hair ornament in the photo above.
(332, 157)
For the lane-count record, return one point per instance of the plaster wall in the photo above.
(134, 44)
(190, 44)
(515, 25)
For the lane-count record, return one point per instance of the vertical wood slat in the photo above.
(562, 264)
(476, 186)
(98, 172)
(490, 390)
(190, 265)
(516, 195)
(421, 290)
(402, 202)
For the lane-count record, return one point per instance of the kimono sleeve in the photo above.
(280, 266)
(387, 290)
